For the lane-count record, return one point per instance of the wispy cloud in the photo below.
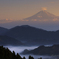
(55, 19)
(44, 8)
(5, 20)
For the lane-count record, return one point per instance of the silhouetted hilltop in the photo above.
(3, 30)
(42, 50)
(5, 40)
(33, 36)
(25, 32)
(5, 53)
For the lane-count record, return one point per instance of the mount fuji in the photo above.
(43, 16)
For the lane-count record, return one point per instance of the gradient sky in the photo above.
(19, 9)
(13, 10)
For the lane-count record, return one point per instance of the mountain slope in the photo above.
(5, 53)
(3, 30)
(43, 16)
(33, 36)
(42, 50)
(5, 40)
(25, 32)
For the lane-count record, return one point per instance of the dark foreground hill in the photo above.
(5, 40)
(33, 36)
(3, 30)
(5, 53)
(42, 50)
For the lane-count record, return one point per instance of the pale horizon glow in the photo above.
(13, 13)
(23, 9)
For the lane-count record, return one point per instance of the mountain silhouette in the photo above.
(42, 50)
(33, 36)
(5, 40)
(43, 16)
(42, 19)
(3, 30)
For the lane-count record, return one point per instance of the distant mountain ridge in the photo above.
(42, 19)
(33, 36)
(43, 16)
(42, 50)
(3, 30)
(5, 40)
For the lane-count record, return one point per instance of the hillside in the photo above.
(3, 30)
(5, 40)
(5, 53)
(33, 36)
(42, 50)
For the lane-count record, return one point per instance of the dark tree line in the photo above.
(5, 53)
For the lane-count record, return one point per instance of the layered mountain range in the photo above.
(33, 36)
(30, 35)
(6, 40)
(42, 19)
(3, 30)
(43, 50)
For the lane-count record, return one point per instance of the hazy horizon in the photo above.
(13, 13)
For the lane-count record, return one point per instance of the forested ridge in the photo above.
(43, 50)
(5, 53)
